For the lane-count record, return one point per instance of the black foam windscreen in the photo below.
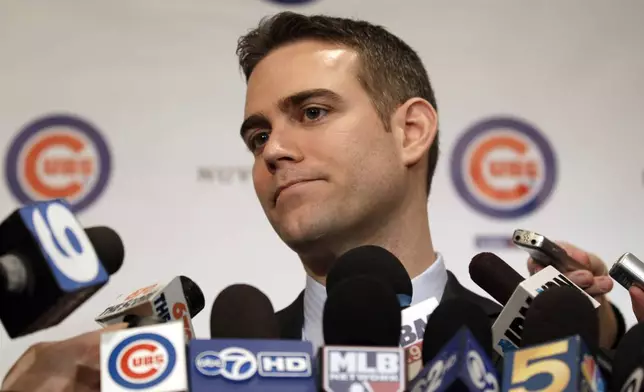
(494, 276)
(376, 262)
(450, 316)
(194, 296)
(108, 247)
(628, 356)
(242, 311)
(362, 311)
(558, 313)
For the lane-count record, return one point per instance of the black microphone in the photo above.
(558, 313)
(560, 334)
(494, 276)
(50, 265)
(376, 262)
(242, 311)
(456, 350)
(361, 324)
(449, 317)
(362, 311)
(628, 364)
(516, 294)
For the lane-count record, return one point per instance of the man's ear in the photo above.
(415, 124)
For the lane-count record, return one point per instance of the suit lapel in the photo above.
(291, 319)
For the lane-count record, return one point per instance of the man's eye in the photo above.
(314, 113)
(257, 140)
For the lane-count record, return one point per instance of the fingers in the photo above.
(637, 300)
(589, 260)
(533, 266)
(61, 357)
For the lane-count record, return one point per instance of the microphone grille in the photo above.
(194, 296)
(242, 311)
(494, 276)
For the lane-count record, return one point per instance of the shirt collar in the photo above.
(431, 283)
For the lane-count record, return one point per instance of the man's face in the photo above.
(325, 168)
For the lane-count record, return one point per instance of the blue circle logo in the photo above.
(142, 361)
(503, 167)
(58, 157)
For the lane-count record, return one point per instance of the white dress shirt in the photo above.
(431, 283)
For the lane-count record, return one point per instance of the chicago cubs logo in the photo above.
(142, 361)
(503, 168)
(58, 157)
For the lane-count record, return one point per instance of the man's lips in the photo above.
(287, 185)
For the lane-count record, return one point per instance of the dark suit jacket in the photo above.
(291, 318)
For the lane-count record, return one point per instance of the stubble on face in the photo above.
(346, 149)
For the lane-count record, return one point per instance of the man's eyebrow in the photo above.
(297, 99)
(286, 104)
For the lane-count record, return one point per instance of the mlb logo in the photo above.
(151, 358)
(363, 369)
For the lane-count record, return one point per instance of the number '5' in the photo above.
(533, 361)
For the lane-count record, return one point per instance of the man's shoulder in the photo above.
(454, 289)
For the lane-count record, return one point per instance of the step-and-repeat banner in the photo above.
(131, 111)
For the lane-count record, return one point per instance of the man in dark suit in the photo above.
(341, 118)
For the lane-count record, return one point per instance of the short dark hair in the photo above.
(391, 72)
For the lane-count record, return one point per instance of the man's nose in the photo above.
(281, 148)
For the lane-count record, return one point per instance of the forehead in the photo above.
(301, 66)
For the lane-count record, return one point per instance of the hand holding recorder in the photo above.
(584, 269)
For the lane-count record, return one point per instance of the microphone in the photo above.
(460, 361)
(414, 322)
(558, 313)
(628, 365)
(448, 317)
(361, 324)
(181, 299)
(244, 352)
(561, 312)
(499, 280)
(242, 311)
(251, 365)
(561, 365)
(150, 358)
(49, 265)
(362, 311)
(376, 262)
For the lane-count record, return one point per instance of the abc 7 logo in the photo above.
(233, 363)
(634, 381)
(481, 378)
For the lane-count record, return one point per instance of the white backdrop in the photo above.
(159, 79)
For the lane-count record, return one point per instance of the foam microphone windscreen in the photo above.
(194, 296)
(242, 311)
(558, 313)
(108, 247)
(362, 311)
(494, 276)
(375, 262)
(628, 356)
(448, 318)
